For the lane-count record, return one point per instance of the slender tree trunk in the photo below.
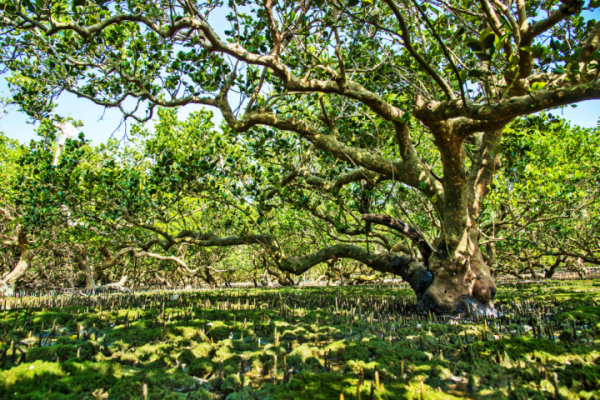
(210, 279)
(9, 281)
(90, 279)
(83, 261)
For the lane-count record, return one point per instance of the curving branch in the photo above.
(213, 43)
(413, 272)
(411, 233)
(592, 43)
(327, 186)
(405, 34)
(530, 32)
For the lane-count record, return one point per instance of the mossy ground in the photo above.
(303, 343)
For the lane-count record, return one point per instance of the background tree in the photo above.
(16, 251)
(543, 215)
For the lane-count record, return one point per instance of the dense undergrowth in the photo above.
(303, 343)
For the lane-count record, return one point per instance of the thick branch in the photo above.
(10, 279)
(334, 186)
(409, 269)
(510, 108)
(592, 43)
(483, 170)
(325, 142)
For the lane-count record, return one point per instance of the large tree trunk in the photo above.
(460, 283)
(446, 281)
(462, 280)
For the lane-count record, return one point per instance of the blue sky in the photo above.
(99, 123)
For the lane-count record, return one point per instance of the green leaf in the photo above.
(538, 85)
(460, 31)
(39, 4)
(352, 3)
(484, 56)
(484, 33)
(474, 45)
(9, 8)
(78, 3)
(488, 41)
(498, 149)
(559, 70)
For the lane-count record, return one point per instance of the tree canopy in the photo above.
(368, 119)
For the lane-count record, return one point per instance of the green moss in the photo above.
(72, 325)
(231, 384)
(245, 394)
(224, 352)
(231, 366)
(51, 353)
(47, 380)
(289, 335)
(255, 362)
(173, 380)
(219, 331)
(200, 394)
(29, 378)
(128, 388)
(308, 386)
(202, 367)
(168, 356)
(204, 350)
(89, 349)
(584, 314)
(303, 352)
(64, 340)
(186, 357)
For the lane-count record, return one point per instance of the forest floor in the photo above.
(301, 343)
